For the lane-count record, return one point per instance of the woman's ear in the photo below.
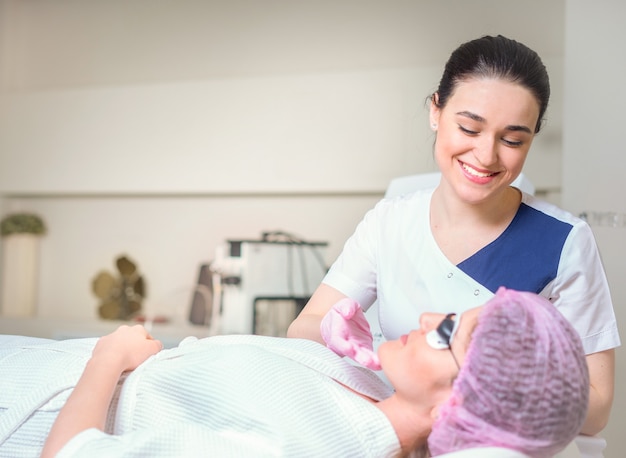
(434, 413)
(442, 398)
(435, 112)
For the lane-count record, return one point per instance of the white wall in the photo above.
(594, 153)
(133, 97)
(160, 129)
(300, 133)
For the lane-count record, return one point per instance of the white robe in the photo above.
(221, 396)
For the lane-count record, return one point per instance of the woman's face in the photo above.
(419, 372)
(484, 133)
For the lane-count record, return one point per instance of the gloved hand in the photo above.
(346, 332)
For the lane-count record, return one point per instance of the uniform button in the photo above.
(450, 275)
(476, 292)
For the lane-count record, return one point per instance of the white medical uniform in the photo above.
(394, 259)
(225, 396)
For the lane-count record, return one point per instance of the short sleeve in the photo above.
(581, 291)
(354, 272)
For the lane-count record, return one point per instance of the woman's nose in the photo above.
(430, 320)
(486, 151)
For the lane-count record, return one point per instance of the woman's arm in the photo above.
(87, 406)
(602, 377)
(307, 324)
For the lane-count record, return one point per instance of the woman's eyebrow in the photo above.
(519, 129)
(473, 116)
(478, 118)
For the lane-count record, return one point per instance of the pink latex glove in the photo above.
(346, 332)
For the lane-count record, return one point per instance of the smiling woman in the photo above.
(451, 247)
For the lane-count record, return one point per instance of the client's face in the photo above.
(423, 364)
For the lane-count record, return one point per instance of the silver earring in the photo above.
(434, 125)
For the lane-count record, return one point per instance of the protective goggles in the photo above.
(441, 337)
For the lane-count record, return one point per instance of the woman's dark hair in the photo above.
(496, 57)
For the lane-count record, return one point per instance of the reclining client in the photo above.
(510, 374)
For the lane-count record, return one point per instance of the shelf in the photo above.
(66, 328)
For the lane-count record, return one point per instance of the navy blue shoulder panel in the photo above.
(526, 255)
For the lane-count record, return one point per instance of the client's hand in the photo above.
(346, 332)
(122, 350)
(126, 347)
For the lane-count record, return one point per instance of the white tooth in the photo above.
(475, 172)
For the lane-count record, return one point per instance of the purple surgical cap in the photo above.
(524, 383)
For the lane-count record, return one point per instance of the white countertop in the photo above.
(65, 328)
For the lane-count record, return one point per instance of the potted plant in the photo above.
(20, 234)
(22, 223)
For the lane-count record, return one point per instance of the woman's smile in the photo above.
(477, 175)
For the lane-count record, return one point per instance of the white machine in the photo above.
(260, 286)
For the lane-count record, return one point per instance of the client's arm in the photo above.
(87, 406)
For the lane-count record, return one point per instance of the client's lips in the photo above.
(404, 338)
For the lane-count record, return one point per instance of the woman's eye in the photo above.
(512, 143)
(507, 142)
(467, 131)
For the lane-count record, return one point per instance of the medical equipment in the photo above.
(262, 285)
